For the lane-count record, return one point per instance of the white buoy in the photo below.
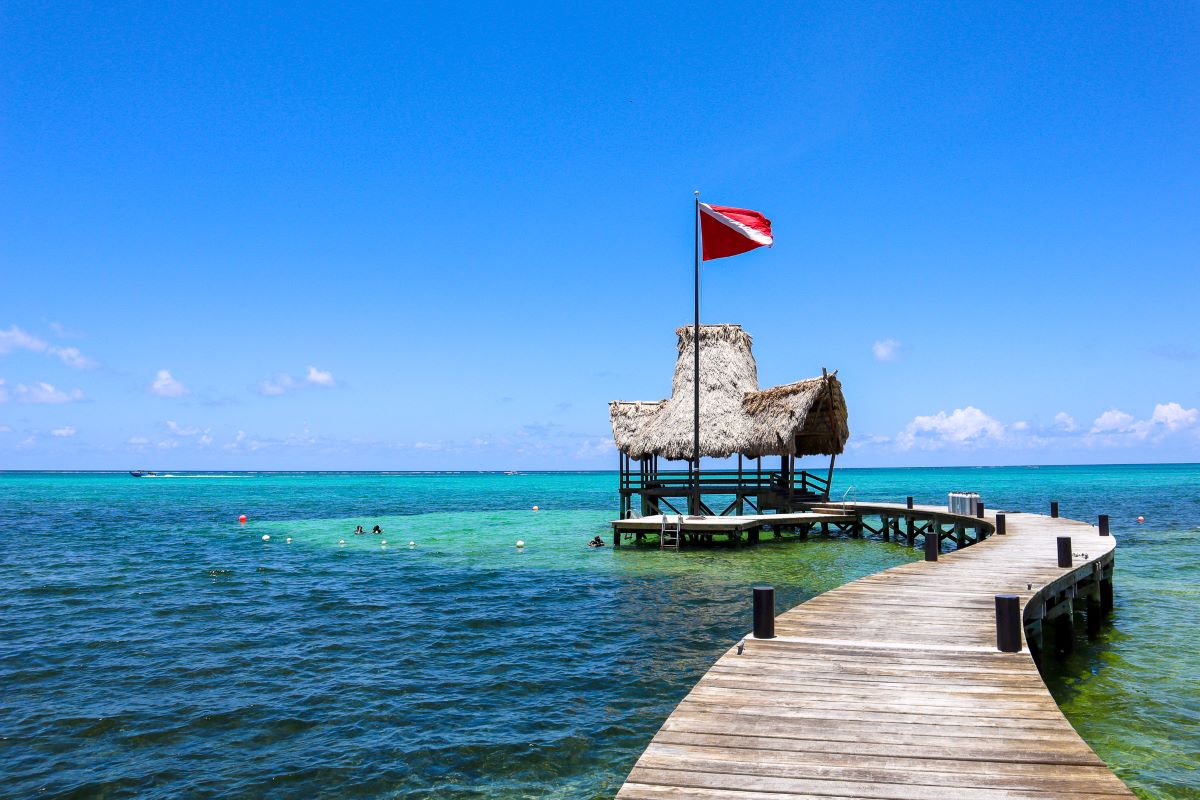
(289, 540)
(520, 544)
(266, 537)
(341, 541)
(383, 543)
(412, 544)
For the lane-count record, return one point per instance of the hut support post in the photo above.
(741, 498)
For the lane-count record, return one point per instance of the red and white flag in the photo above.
(726, 231)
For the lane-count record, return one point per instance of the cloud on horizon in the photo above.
(165, 385)
(15, 339)
(284, 383)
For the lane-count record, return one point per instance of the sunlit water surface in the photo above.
(152, 646)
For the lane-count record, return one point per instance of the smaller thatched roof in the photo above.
(808, 417)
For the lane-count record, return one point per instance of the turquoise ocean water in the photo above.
(151, 646)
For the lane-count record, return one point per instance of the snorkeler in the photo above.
(359, 531)
(597, 542)
(377, 529)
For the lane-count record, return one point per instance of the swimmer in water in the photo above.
(359, 531)
(376, 529)
(597, 542)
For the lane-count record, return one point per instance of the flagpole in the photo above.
(696, 506)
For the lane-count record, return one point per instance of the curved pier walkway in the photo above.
(891, 686)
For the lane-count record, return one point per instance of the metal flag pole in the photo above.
(696, 507)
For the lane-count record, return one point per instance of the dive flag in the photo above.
(727, 231)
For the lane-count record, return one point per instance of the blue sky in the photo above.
(254, 236)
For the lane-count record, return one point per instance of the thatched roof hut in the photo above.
(807, 417)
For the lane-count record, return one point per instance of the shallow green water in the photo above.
(151, 646)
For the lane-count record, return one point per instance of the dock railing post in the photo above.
(1001, 525)
(764, 612)
(979, 509)
(1054, 509)
(1104, 525)
(933, 541)
(1064, 551)
(910, 502)
(1008, 623)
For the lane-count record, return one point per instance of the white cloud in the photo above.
(1115, 427)
(283, 383)
(165, 385)
(43, 393)
(1112, 421)
(138, 441)
(5, 429)
(63, 432)
(963, 426)
(205, 440)
(168, 444)
(181, 430)
(886, 349)
(28, 441)
(3, 391)
(318, 378)
(1174, 416)
(1019, 425)
(1064, 421)
(273, 387)
(15, 339)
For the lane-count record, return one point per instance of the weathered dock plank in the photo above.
(891, 688)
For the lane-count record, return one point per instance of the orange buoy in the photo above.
(535, 508)
(242, 519)
(1141, 520)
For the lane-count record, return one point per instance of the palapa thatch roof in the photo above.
(807, 417)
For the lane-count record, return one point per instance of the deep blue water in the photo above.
(152, 646)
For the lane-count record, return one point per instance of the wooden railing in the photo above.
(729, 481)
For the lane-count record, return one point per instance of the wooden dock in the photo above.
(733, 527)
(892, 687)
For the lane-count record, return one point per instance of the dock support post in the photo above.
(1104, 525)
(909, 502)
(1054, 509)
(1001, 525)
(616, 538)
(1094, 615)
(1064, 551)
(887, 527)
(979, 509)
(933, 542)
(960, 535)
(764, 612)
(1106, 594)
(1064, 629)
(1008, 623)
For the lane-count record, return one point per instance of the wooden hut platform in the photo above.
(892, 687)
(732, 526)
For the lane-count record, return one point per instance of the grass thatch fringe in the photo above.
(735, 417)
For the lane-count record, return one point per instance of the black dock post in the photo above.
(616, 538)
(1008, 623)
(1001, 525)
(1064, 551)
(764, 612)
(910, 502)
(1106, 595)
(1054, 509)
(933, 541)
(1104, 525)
(979, 509)
(1094, 615)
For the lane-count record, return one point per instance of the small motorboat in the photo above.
(142, 473)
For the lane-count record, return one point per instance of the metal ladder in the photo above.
(671, 533)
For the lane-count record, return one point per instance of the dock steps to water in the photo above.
(891, 687)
